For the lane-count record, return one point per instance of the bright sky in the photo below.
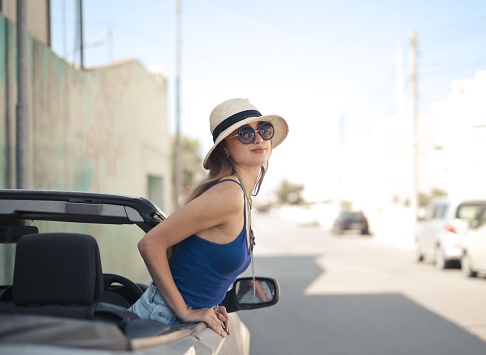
(328, 67)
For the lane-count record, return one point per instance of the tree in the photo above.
(290, 193)
(424, 199)
(191, 161)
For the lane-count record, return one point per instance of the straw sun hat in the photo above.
(235, 113)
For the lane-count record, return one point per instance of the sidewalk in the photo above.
(394, 224)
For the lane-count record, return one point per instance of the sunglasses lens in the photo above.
(266, 131)
(246, 135)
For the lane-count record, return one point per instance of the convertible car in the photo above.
(57, 297)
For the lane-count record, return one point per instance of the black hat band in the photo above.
(237, 117)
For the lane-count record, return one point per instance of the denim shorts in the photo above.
(151, 305)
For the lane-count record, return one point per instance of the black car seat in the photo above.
(60, 275)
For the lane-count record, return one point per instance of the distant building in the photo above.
(392, 149)
(460, 126)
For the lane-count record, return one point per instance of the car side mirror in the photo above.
(252, 293)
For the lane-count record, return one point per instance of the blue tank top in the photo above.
(203, 271)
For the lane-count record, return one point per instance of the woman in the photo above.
(210, 238)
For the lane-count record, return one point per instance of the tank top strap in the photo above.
(244, 195)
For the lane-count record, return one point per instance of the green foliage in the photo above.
(424, 199)
(192, 161)
(192, 170)
(346, 205)
(438, 193)
(290, 193)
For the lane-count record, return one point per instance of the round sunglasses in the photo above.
(247, 134)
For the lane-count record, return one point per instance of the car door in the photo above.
(477, 244)
(434, 227)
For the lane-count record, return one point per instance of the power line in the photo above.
(450, 29)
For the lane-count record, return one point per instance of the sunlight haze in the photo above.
(330, 68)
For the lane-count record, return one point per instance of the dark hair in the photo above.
(220, 166)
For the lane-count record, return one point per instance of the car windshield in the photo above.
(352, 215)
(468, 211)
(117, 244)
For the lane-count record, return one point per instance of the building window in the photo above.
(156, 190)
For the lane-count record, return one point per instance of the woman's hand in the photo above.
(216, 318)
(223, 317)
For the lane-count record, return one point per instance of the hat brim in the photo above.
(281, 129)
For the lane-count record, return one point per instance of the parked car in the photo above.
(440, 234)
(55, 298)
(473, 259)
(351, 221)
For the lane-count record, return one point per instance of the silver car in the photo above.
(439, 236)
(57, 297)
(473, 260)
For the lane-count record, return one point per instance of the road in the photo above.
(360, 295)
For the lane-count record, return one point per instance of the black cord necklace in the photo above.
(248, 198)
(252, 236)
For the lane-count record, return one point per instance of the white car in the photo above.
(440, 235)
(473, 260)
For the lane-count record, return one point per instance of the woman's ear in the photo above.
(226, 151)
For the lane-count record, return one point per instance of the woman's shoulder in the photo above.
(226, 191)
(227, 186)
(214, 206)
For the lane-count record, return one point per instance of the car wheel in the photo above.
(440, 261)
(419, 257)
(365, 232)
(466, 267)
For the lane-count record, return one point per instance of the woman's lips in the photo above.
(259, 150)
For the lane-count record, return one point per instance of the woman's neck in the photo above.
(245, 190)
(248, 179)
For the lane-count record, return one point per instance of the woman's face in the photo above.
(253, 154)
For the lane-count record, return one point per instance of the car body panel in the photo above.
(193, 339)
(474, 245)
(431, 229)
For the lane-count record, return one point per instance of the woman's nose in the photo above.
(258, 138)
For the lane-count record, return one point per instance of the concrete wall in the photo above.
(103, 130)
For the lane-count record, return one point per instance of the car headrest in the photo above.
(57, 268)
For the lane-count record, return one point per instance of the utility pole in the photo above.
(81, 36)
(8, 123)
(64, 31)
(177, 146)
(414, 124)
(22, 110)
